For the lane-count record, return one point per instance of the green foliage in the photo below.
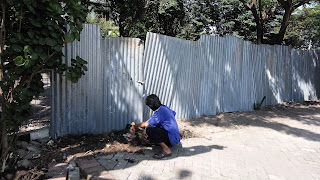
(108, 28)
(35, 32)
(137, 17)
(303, 32)
(197, 20)
(230, 17)
(170, 17)
(127, 15)
(189, 19)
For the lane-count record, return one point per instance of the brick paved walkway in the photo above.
(289, 150)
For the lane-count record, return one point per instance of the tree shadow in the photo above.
(277, 118)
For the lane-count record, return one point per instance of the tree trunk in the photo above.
(285, 22)
(259, 34)
(259, 22)
(4, 139)
(259, 25)
(3, 128)
(121, 28)
(122, 31)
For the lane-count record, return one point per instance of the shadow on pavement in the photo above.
(128, 160)
(290, 120)
(183, 174)
(193, 150)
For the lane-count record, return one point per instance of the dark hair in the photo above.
(153, 102)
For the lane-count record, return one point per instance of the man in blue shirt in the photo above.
(162, 127)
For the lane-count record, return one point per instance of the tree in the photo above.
(196, 20)
(303, 31)
(262, 11)
(99, 12)
(230, 17)
(127, 15)
(108, 28)
(31, 40)
(177, 18)
(136, 18)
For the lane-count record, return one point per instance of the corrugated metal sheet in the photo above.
(172, 71)
(212, 70)
(226, 74)
(305, 75)
(108, 96)
(212, 75)
(232, 74)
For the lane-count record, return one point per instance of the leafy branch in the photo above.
(34, 45)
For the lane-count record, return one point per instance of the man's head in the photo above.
(153, 102)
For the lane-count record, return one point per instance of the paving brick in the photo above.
(74, 174)
(181, 152)
(102, 175)
(58, 178)
(196, 176)
(138, 157)
(132, 164)
(128, 156)
(120, 174)
(134, 176)
(121, 164)
(144, 162)
(146, 176)
(72, 162)
(107, 157)
(87, 163)
(108, 164)
(91, 170)
(120, 155)
(147, 169)
(85, 160)
(169, 166)
(57, 170)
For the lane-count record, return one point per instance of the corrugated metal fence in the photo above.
(108, 96)
(226, 74)
(215, 74)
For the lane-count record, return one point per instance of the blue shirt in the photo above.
(164, 118)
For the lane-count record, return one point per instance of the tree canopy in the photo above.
(303, 31)
(262, 21)
(266, 12)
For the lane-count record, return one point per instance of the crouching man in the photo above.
(162, 127)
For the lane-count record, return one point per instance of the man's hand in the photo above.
(132, 128)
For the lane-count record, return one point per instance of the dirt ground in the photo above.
(68, 147)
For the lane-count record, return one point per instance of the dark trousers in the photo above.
(158, 135)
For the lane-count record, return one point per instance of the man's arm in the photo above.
(142, 125)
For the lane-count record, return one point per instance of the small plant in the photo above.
(257, 106)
